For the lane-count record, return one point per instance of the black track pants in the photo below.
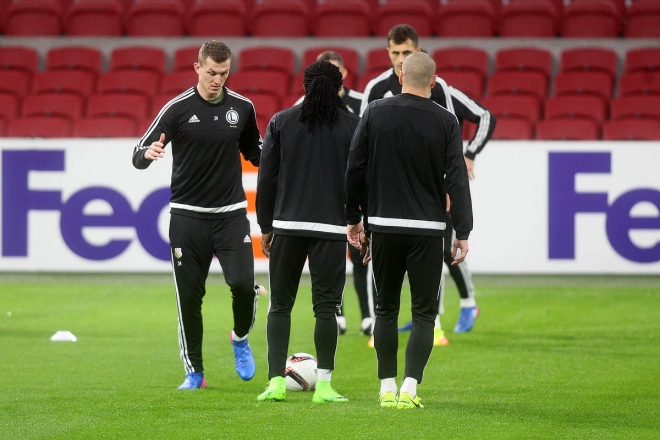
(193, 243)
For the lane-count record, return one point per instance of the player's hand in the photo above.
(266, 242)
(469, 163)
(365, 251)
(355, 235)
(448, 204)
(459, 251)
(156, 150)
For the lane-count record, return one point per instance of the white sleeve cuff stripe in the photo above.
(308, 226)
(407, 223)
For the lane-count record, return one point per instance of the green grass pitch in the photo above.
(549, 358)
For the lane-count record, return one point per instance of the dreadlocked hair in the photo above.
(321, 105)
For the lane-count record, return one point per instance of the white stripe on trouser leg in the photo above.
(182, 332)
(370, 289)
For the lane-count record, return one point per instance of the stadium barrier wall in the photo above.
(78, 205)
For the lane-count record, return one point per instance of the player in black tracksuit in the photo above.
(405, 156)
(403, 40)
(208, 127)
(300, 209)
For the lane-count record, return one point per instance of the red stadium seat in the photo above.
(342, 18)
(151, 18)
(280, 18)
(524, 59)
(184, 58)
(643, 19)
(417, 13)
(564, 129)
(133, 107)
(75, 82)
(461, 59)
(39, 126)
(466, 18)
(290, 100)
(513, 129)
(159, 102)
(253, 82)
(350, 56)
(470, 83)
(530, 18)
(265, 107)
(267, 58)
(639, 83)
(212, 17)
(9, 105)
(591, 18)
(297, 88)
(584, 83)
(54, 105)
(95, 18)
(644, 59)
(104, 127)
(588, 59)
(148, 58)
(636, 107)
(75, 58)
(514, 107)
(176, 82)
(3, 127)
(14, 82)
(631, 130)
(140, 82)
(33, 18)
(378, 61)
(24, 59)
(518, 83)
(576, 107)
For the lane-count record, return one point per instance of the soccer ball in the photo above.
(300, 372)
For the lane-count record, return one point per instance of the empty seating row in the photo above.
(332, 18)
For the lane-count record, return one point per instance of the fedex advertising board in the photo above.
(539, 207)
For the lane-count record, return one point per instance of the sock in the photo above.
(468, 302)
(387, 386)
(236, 338)
(437, 322)
(324, 374)
(409, 386)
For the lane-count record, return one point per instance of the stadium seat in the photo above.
(643, 19)
(267, 59)
(265, 107)
(644, 59)
(518, 83)
(155, 18)
(350, 56)
(253, 82)
(23, 59)
(631, 130)
(9, 106)
(3, 127)
(470, 83)
(133, 107)
(461, 59)
(75, 58)
(584, 83)
(514, 107)
(140, 82)
(466, 18)
(55, 105)
(524, 59)
(289, 101)
(589, 59)
(639, 83)
(104, 127)
(39, 127)
(75, 82)
(147, 58)
(565, 129)
(14, 82)
(591, 18)
(297, 88)
(530, 18)
(342, 18)
(378, 61)
(576, 107)
(280, 18)
(635, 107)
(33, 18)
(185, 57)
(159, 102)
(174, 83)
(94, 18)
(417, 13)
(212, 17)
(513, 129)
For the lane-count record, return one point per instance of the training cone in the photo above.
(63, 335)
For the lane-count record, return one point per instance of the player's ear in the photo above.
(433, 78)
(401, 77)
(419, 49)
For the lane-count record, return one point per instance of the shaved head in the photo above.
(418, 70)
